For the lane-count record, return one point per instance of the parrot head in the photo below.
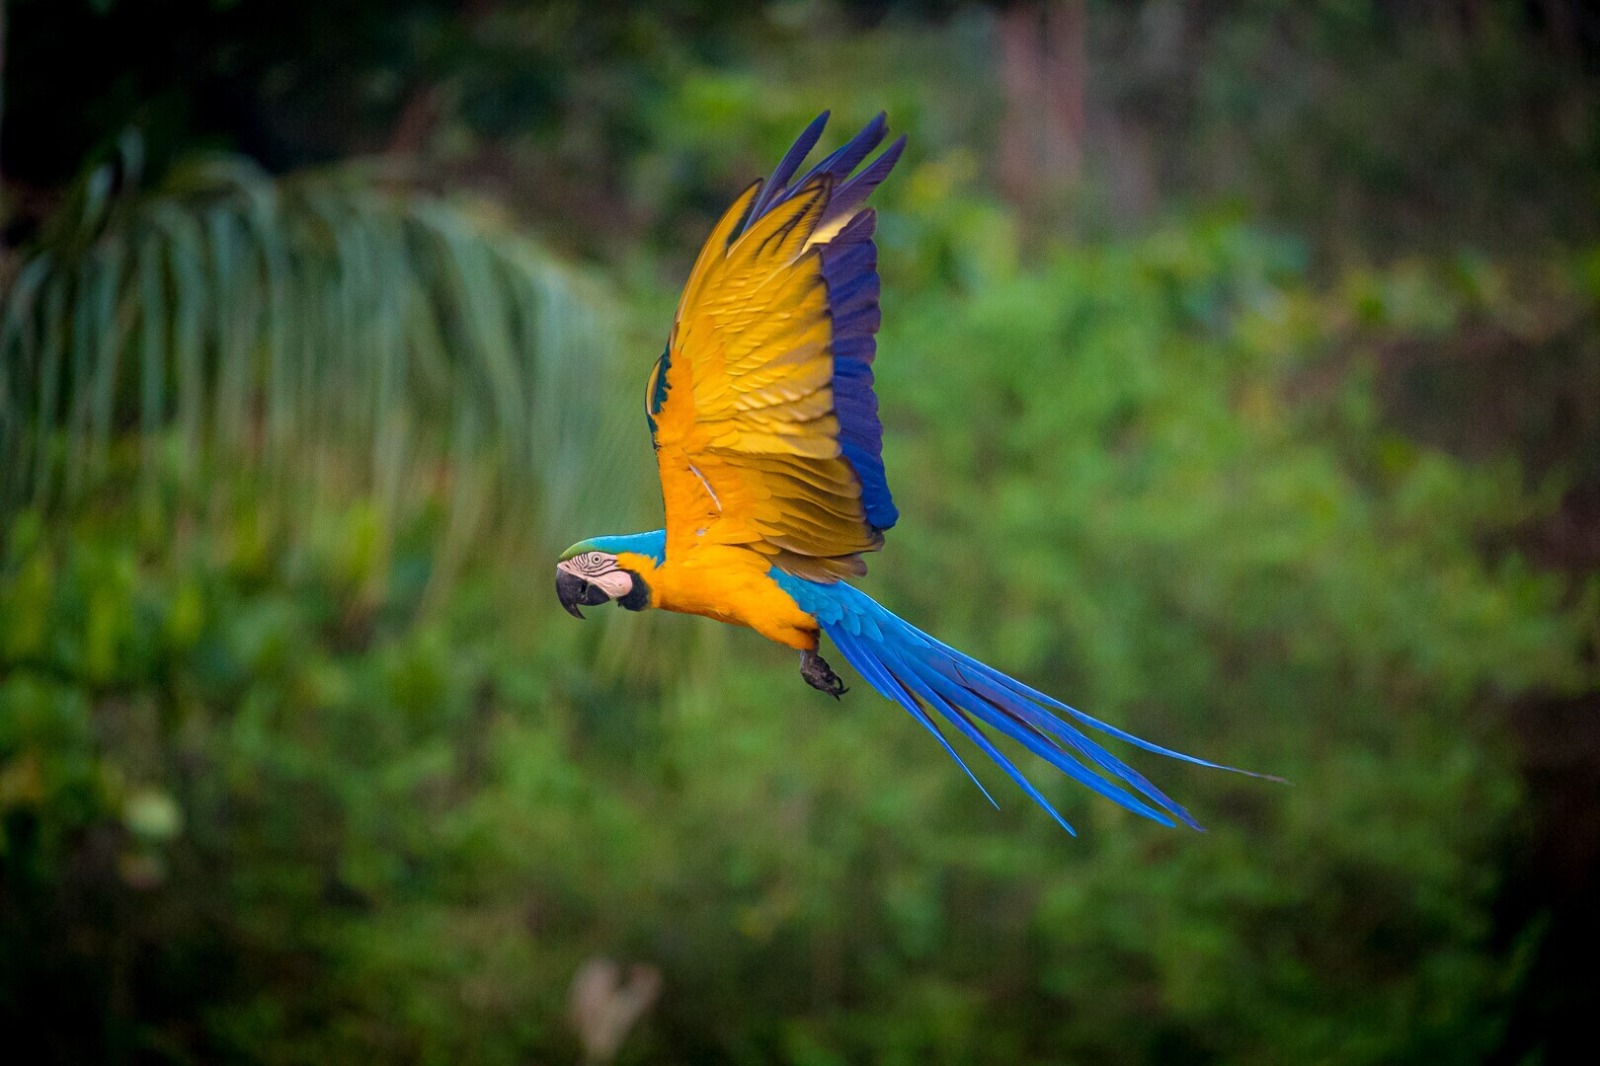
(588, 575)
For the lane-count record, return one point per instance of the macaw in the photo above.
(766, 433)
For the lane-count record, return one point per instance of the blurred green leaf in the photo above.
(330, 331)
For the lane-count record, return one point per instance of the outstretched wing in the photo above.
(761, 408)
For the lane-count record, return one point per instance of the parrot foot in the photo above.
(819, 675)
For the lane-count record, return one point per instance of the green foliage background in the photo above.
(301, 762)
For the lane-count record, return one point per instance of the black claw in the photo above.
(820, 676)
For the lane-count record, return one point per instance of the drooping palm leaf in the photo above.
(323, 331)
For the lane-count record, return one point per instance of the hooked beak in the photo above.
(575, 592)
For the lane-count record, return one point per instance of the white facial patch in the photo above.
(601, 571)
(615, 584)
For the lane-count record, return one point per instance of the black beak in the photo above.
(575, 592)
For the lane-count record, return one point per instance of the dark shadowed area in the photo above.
(1240, 375)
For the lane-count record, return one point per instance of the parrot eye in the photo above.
(593, 563)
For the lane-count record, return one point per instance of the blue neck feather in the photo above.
(653, 544)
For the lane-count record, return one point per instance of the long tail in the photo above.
(919, 673)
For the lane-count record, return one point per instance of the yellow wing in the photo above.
(762, 412)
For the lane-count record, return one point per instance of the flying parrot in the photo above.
(766, 433)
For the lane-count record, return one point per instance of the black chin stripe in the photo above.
(638, 597)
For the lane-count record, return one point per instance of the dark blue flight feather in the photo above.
(850, 270)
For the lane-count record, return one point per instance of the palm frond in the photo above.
(322, 331)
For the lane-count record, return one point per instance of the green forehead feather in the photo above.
(577, 550)
(652, 544)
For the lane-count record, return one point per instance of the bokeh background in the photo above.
(1241, 377)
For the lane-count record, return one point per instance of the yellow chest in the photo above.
(731, 584)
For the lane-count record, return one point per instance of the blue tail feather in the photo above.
(1055, 733)
(888, 685)
(921, 674)
(958, 717)
(1090, 720)
(1010, 718)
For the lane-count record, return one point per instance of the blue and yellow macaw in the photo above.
(767, 436)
